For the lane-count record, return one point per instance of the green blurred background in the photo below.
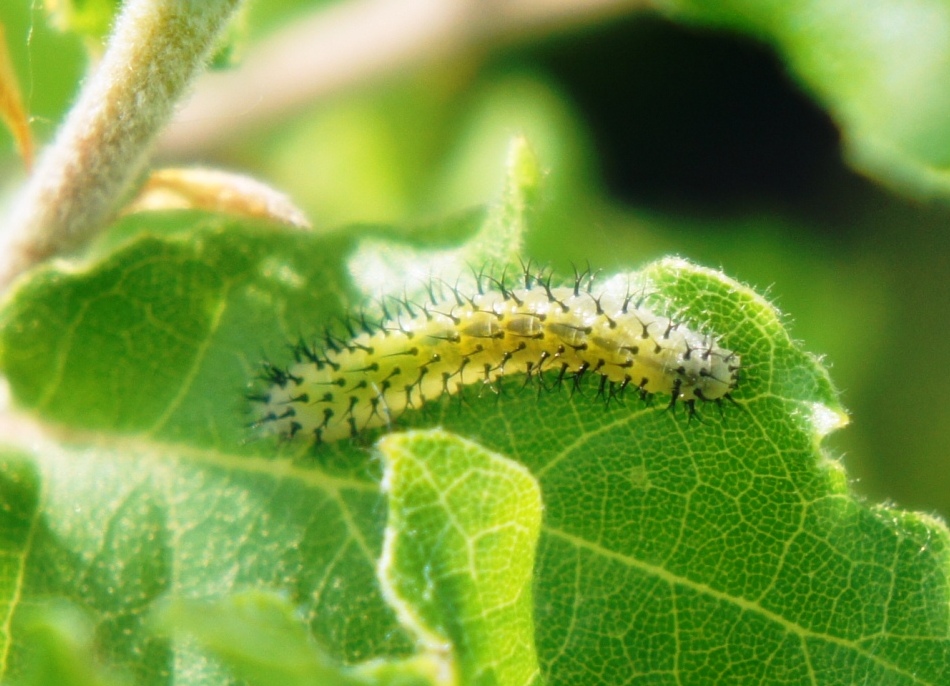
(657, 138)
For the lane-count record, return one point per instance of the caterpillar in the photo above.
(422, 351)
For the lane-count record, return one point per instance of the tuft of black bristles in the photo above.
(544, 372)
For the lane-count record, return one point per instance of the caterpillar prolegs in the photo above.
(419, 352)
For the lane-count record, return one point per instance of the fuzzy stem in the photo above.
(155, 50)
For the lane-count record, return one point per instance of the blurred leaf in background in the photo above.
(90, 19)
(49, 64)
(865, 63)
(715, 131)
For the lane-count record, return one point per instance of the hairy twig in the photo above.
(154, 52)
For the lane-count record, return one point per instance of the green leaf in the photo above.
(257, 633)
(163, 335)
(142, 337)
(261, 637)
(456, 567)
(384, 268)
(459, 553)
(722, 550)
(61, 650)
(91, 19)
(19, 504)
(122, 528)
(865, 62)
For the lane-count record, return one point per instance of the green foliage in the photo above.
(468, 519)
(725, 549)
(89, 18)
(258, 634)
(61, 650)
(538, 534)
(866, 62)
(48, 63)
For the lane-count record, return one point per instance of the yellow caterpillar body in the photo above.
(426, 351)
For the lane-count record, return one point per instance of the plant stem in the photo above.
(155, 50)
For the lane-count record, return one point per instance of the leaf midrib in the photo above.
(739, 602)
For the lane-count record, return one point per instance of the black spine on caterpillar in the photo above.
(440, 346)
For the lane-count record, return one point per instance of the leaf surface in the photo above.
(469, 520)
(724, 549)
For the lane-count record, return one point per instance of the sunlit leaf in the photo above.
(458, 559)
(724, 549)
